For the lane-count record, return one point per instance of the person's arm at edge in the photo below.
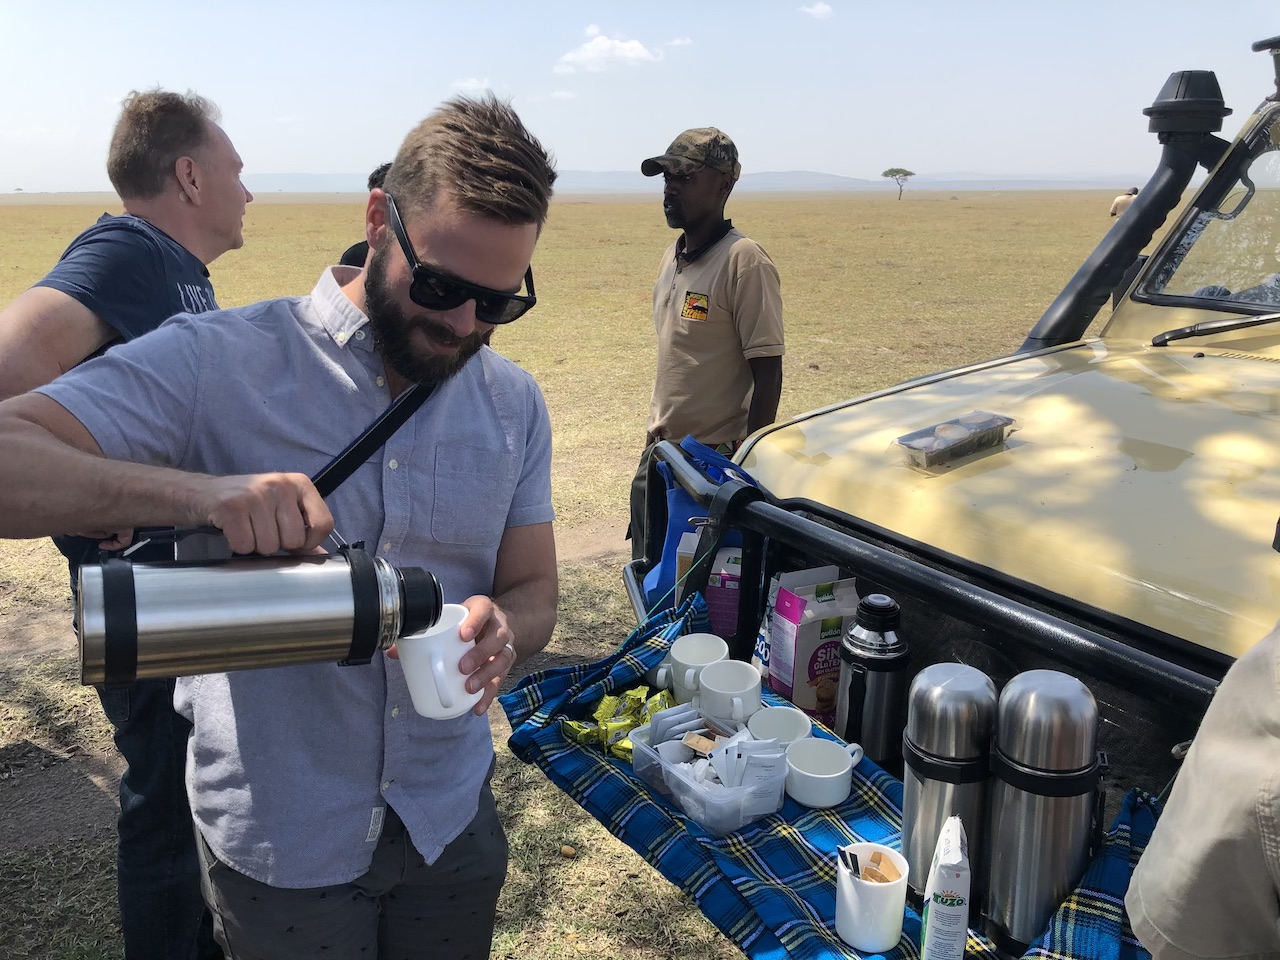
(43, 334)
(54, 479)
(767, 374)
(526, 591)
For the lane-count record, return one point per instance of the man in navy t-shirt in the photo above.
(178, 176)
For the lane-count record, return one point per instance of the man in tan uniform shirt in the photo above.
(1123, 202)
(717, 309)
(1208, 884)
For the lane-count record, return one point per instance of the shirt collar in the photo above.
(340, 318)
(720, 234)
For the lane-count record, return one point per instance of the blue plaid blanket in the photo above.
(770, 887)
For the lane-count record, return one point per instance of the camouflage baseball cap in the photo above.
(694, 149)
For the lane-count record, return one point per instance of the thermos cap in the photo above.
(1048, 721)
(423, 600)
(877, 613)
(951, 711)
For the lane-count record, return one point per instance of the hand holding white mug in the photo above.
(486, 653)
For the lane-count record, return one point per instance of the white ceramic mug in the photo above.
(689, 654)
(430, 659)
(869, 914)
(728, 689)
(784, 724)
(659, 678)
(820, 772)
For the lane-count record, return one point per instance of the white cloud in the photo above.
(680, 42)
(471, 84)
(563, 95)
(819, 10)
(592, 30)
(601, 52)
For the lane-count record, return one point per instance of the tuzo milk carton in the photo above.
(945, 923)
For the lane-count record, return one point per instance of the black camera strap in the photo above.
(364, 446)
(335, 472)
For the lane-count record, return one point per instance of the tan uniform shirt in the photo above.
(1122, 203)
(712, 316)
(1208, 884)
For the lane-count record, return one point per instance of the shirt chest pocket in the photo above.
(473, 491)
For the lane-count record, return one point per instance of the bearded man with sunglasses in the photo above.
(331, 818)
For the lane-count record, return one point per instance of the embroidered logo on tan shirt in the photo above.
(696, 306)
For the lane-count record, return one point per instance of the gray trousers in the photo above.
(401, 909)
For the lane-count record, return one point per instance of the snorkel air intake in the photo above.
(1185, 116)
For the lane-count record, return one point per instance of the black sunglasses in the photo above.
(437, 291)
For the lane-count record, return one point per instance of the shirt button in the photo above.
(393, 464)
(359, 334)
(386, 784)
(342, 338)
(395, 711)
(380, 381)
(386, 547)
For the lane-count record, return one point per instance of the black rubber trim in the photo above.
(1045, 784)
(119, 622)
(948, 771)
(876, 664)
(366, 620)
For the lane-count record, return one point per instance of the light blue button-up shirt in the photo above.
(289, 769)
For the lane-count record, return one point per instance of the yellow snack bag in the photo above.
(579, 731)
(608, 708)
(611, 731)
(656, 704)
(622, 749)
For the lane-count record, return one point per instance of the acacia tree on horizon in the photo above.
(900, 176)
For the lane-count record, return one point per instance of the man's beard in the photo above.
(674, 211)
(392, 329)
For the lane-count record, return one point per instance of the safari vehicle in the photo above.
(1123, 526)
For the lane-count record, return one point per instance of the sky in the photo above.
(1036, 88)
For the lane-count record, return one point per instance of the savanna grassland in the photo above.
(876, 291)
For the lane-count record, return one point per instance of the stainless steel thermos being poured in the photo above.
(141, 621)
(871, 701)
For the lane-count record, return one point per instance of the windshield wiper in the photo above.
(1207, 327)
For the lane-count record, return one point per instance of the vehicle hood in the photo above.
(1142, 480)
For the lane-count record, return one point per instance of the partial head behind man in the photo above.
(172, 164)
(472, 188)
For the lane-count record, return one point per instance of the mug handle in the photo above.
(690, 675)
(442, 680)
(737, 711)
(855, 752)
(663, 675)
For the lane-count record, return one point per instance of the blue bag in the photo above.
(686, 515)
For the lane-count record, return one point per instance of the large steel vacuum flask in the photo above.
(951, 716)
(141, 621)
(1043, 798)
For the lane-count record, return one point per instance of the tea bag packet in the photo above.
(763, 764)
(661, 723)
(726, 759)
(674, 751)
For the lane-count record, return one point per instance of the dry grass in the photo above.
(876, 291)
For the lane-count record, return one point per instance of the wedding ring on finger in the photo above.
(512, 650)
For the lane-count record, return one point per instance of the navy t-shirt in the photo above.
(133, 276)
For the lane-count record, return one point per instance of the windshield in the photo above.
(1229, 256)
